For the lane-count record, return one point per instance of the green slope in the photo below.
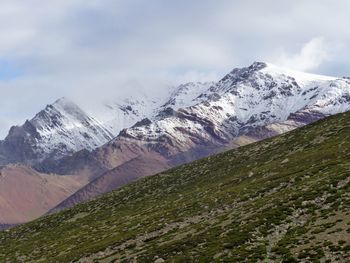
(283, 199)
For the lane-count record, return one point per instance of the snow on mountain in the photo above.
(63, 127)
(186, 95)
(116, 115)
(255, 96)
(59, 129)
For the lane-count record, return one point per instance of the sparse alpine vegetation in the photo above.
(284, 199)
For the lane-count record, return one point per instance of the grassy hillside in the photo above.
(283, 199)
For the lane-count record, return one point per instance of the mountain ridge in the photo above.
(193, 121)
(253, 103)
(63, 127)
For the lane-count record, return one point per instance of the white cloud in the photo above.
(310, 57)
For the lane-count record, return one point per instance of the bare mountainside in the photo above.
(26, 194)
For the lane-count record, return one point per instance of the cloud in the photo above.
(310, 57)
(95, 48)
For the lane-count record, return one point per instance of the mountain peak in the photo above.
(257, 65)
(245, 72)
(58, 130)
(67, 105)
(62, 100)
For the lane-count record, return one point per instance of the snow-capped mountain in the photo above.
(242, 103)
(186, 95)
(117, 115)
(60, 129)
(63, 127)
(256, 96)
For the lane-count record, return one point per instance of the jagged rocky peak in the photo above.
(65, 104)
(266, 76)
(64, 116)
(24, 130)
(53, 114)
(60, 129)
(251, 74)
(245, 72)
(68, 106)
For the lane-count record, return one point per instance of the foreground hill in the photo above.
(282, 199)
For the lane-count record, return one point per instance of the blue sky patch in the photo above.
(8, 72)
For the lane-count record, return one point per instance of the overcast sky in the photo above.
(50, 49)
